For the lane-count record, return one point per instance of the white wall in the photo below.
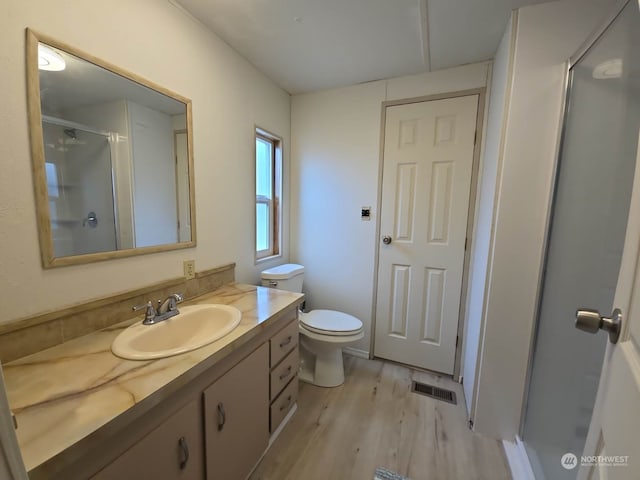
(155, 209)
(547, 35)
(496, 117)
(335, 171)
(156, 40)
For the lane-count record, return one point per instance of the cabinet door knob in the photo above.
(184, 447)
(286, 404)
(222, 417)
(286, 373)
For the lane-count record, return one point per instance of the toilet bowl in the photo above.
(323, 333)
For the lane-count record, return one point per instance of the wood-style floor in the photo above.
(374, 420)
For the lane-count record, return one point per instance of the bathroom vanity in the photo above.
(210, 413)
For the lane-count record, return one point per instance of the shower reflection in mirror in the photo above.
(116, 159)
(79, 168)
(86, 175)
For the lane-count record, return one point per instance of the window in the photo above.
(268, 189)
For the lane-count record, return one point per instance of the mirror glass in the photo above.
(112, 158)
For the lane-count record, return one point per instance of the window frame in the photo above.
(274, 204)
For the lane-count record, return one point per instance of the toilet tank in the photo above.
(284, 277)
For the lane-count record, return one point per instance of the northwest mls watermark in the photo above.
(570, 461)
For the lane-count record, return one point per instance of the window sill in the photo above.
(266, 259)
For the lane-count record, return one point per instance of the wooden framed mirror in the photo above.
(112, 158)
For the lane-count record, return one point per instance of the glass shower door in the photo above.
(590, 211)
(80, 188)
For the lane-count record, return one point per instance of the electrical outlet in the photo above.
(189, 269)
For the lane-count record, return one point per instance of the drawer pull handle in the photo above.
(222, 417)
(184, 447)
(286, 373)
(286, 342)
(286, 404)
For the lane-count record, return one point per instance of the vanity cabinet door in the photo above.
(236, 412)
(173, 450)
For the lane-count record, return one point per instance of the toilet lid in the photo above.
(330, 322)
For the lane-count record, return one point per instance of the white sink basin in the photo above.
(194, 327)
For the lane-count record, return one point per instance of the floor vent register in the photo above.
(434, 392)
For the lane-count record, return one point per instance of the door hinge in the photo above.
(457, 339)
(475, 138)
(466, 241)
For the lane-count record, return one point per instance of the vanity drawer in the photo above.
(284, 372)
(281, 406)
(283, 342)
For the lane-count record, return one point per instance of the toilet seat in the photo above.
(331, 323)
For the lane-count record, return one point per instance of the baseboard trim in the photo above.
(356, 352)
(518, 460)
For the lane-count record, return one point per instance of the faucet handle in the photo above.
(150, 312)
(135, 308)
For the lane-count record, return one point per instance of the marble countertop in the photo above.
(67, 392)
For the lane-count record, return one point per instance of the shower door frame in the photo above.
(582, 50)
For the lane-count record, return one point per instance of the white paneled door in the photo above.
(427, 170)
(612, 450)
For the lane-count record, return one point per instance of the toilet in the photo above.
(323, 333)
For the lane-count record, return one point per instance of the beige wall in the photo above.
(335, 171)
(159, 41)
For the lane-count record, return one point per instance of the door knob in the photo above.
(386, 239)
(591, 321)
(91, 220)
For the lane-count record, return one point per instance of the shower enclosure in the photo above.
(584, 247)
(80, 188)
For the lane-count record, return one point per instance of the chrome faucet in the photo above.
(169, 304)
(167, 308)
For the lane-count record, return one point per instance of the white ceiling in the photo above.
(83, 83)
(307, 45)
